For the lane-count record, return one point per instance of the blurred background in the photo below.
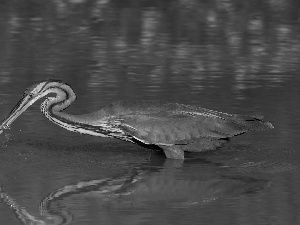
(234, 56)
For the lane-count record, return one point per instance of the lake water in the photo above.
(230, 56)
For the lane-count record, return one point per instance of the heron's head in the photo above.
(31, 95)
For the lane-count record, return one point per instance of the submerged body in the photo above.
(173, 127)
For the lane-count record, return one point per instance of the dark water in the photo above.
(231, 56)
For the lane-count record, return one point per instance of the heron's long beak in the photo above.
(22, 105)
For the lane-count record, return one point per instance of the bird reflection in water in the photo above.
(173, 127)
(63, 217)
(170, 183)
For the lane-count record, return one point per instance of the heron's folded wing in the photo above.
(186, 127)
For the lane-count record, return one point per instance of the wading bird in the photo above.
(175, 128)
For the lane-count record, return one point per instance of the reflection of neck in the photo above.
(26, 218)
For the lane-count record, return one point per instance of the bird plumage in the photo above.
(178, 127)
(173, 127)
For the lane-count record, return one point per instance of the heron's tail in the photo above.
(251, 123)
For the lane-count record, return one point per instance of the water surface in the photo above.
(230, 56)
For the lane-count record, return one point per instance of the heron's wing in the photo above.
(187, 126)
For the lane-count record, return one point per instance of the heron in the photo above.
(174, 128)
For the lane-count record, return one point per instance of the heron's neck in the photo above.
(53, 107)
